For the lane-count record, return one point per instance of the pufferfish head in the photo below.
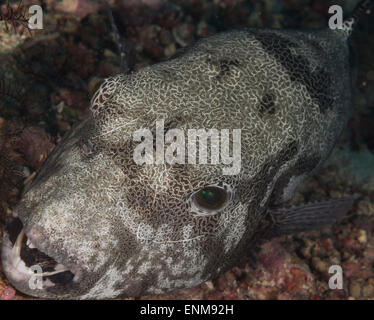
(96, 223)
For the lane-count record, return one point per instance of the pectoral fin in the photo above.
(308, 216)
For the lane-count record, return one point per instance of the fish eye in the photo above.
(210, 199)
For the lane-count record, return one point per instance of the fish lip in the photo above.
(19, 274)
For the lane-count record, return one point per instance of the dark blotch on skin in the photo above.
(317, 82)
(224, 66)
(267, 104)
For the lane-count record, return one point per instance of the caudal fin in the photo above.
(349, 24)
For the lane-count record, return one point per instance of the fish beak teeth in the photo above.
(18, 244)
(30, 244)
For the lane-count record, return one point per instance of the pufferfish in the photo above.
(95, 224)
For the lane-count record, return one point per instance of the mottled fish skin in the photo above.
(127, 230)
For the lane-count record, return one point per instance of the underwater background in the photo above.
(47, 78)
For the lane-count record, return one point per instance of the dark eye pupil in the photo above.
(211, 197)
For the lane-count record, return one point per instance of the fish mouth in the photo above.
(23, 262)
